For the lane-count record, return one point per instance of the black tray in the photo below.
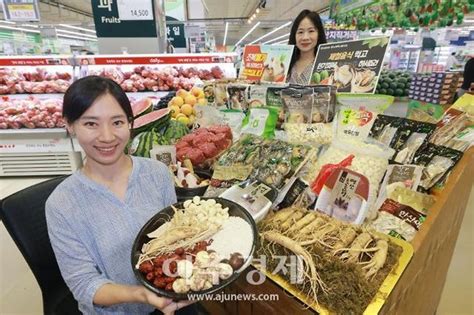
(160, 218)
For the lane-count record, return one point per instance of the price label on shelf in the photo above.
(135, 10)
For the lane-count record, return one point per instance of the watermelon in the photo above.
(175, 131)
(154, 120)
(142, 107)
(143, 143)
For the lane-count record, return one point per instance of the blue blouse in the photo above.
(92, 231)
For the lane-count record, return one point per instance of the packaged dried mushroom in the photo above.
(298, 104)
(438, 161)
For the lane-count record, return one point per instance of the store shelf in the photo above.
(35, 130)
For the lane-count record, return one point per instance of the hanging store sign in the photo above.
(130, 21)
(175, 12)
(135, 10)
(21, 10)
(175, 33)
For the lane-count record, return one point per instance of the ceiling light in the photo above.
(77, 37)
(282, 42)
(258, 10)
(249, 21)
(276, 38)
(19, 29)
(29, 25)
(248, 33)
(254, 16)
(225, 33)
(268, 34)
(76, 33)
(7, 22)
(78, 28)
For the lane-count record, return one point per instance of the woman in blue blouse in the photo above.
(94, 215)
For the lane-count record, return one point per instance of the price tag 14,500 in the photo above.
(130, 10)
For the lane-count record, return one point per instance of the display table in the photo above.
(419, 288)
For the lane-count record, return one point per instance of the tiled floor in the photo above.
(20, 294)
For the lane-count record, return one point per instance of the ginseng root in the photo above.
(346, 236)
(378, 259)
(313, 226)
(291, 220)
(357, 246)
(302, 222)
(313, 275)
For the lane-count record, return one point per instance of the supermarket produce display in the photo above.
(352, 186)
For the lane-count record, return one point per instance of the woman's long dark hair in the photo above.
(316, 20)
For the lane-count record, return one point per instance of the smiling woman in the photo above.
(307, 33)
(94, 214)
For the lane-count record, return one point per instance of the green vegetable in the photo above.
(324, 74)
(390, 91)
(316, 78)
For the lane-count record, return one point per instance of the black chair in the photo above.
(23, 215)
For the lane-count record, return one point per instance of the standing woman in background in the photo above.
(307, 33)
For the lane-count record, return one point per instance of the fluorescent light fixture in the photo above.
(77, 37)
(76, 33)
(276, 38)
(19, 29)
(282, 42)
(268, 34)
(225, 33)
(30, 25)
(7, 22)
(248, 33)
(78, 28)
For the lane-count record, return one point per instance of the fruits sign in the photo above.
(266, 63)
(352, 66)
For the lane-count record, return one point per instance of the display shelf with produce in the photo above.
(35, 74)
(158, 73)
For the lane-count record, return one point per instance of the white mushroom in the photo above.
(180, 286)
(184, 269)
(202, 259)
(225, 270)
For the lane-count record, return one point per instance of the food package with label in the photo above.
(236, 96)
(408, 176)
(370, 159)
(261, 121)
(398, 220)
(437, 161)
(354, 123)
(298, 104)
(403, 135)
(375, 103)
(344, 196)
